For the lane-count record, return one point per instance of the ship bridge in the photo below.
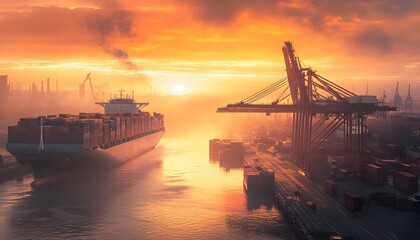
(122, 104)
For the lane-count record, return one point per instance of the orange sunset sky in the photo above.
(210, 46)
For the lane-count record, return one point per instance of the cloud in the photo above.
(371, 25)
(215, 11)
(46, 25)
(65, 26)
(225, 12)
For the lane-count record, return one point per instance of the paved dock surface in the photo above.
(330, 215)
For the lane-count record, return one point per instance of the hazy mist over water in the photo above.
(172, 192)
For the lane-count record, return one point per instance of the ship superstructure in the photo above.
(122, 104)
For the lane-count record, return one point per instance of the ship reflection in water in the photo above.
(172, 192)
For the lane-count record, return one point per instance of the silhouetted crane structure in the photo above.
(82, 88)
(409, 100)
(319, 108)
(397, 97)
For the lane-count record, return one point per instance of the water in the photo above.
(173, 192)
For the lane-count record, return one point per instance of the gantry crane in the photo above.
(82, 87)
(409, 100)
(101, 98)
(397, 97)
(319, 107)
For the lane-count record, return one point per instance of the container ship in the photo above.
(56, 144)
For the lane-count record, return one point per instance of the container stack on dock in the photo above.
(373, 174)
(214, 147)
(89, 130)
(415, 169)
(226, 150)
(388, 165)
(258, 179)
(405, 181)
(330, 188)
(353, 202)
(412, 164)
(391, 150)
(385, 199)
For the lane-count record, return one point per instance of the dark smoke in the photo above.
(119, 53)
(114, 21)
(374, 40)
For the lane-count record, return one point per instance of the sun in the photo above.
(178, 90)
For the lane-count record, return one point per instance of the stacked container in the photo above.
(330, 187)
(226, 150)
(258, 179)
(405, 181)
(386, 200)
(353, 202)
(373, 174)
(92, 130)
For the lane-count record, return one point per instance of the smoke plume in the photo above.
(114, 21)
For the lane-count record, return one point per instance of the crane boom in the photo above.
(319, 108)
(91, 86)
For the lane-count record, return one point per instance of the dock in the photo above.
(330, 216)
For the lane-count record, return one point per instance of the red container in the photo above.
(353, 202)
(269, 176)
(106, 135)
(253, 181)
(405, 181)
(405, 167)
(123, 129)
(214, 147)
(413, 159)
(258, 179)
(386, 200)
(401, 203)
(112, 136)
(142, 124)
(415, 170)
(136, 126)
(373, 174)
(330, 187)
(391, 147)
(128, 126)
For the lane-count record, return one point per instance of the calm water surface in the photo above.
(173, 192)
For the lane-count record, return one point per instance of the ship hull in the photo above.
(46, 165)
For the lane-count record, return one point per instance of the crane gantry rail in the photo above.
(319, 107)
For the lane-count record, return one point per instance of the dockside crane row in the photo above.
(397, 97)
(409, 100)
(319, 108)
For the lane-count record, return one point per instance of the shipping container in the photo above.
(106, 134)
(386, 199)
(405, 181)
(214, 148)
(330, 187)
(92, 130)
(258, 179)
(353, 202)
(401, 203)
(415, 169)
(373, 174)
(414, 204)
